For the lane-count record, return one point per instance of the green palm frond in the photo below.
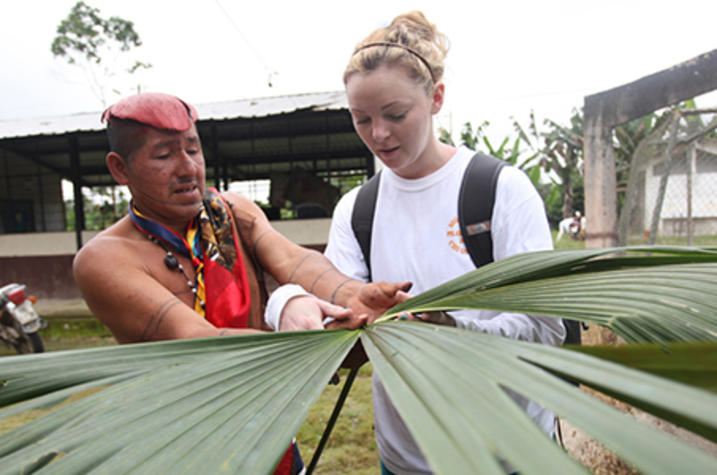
(651, 294)
(222, 404)
(234, 403)
(447, 384)
(694, 364)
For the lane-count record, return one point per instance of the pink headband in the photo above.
(158, 110)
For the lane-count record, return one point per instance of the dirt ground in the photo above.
(590, 452)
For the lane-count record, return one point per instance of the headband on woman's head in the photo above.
(402, 46)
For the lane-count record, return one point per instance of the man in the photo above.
(188, 261)
(573, 226)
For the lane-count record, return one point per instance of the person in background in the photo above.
(394, 88)
(188, 261)
(573, 226)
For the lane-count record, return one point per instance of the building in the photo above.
(689, 197)
(302, 143)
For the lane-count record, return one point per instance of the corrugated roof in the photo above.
(272, 105)
(258, 107)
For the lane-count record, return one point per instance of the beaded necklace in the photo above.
(161, 236)
(171, 262)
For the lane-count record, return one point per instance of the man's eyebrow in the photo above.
(165, 143)
(193, 139)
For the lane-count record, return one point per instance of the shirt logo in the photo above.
(455, 238)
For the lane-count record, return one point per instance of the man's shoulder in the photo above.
(245, 211)
(234, 198)
(113, 244)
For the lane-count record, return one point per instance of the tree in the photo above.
(234, 403)
(554, 154)
(101, 47)
(98, 45)
(560, 151)
(103, 205)
(513, 154)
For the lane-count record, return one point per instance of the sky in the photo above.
(507, 57)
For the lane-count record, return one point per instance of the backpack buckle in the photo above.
(477, 228)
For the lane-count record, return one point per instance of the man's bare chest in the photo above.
(172, 271)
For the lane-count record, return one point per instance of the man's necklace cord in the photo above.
(172, 263)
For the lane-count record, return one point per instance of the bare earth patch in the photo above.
(594, 455)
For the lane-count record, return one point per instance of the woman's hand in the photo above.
(306, 312)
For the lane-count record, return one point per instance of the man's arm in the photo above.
(135, 307)
(288, 262)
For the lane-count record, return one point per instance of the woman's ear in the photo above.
(439, 91)
(117, 167)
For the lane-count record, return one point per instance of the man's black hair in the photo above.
(125, 136)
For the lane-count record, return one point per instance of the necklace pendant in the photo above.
(170, 261)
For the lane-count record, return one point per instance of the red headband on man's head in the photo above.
(161, 111)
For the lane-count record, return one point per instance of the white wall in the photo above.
(301, 231)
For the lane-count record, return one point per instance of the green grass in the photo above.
(69, 333)
(351, 447)
(703, 240)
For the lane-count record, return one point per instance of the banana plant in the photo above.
(233, 404)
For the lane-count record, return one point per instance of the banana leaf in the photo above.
(234, 403)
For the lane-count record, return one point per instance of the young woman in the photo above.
(394, 88)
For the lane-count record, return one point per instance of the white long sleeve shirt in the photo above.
(416, 238)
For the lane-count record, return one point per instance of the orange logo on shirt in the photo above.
(455, 239)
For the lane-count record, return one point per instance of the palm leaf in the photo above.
(223, 404)
(234, 403)
(180, 408)
(694, 364)
(668, 295)
(447, 384)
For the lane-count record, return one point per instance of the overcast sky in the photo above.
(507, 57)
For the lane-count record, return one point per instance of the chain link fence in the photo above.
(671, 194)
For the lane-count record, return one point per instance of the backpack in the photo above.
(475, 208)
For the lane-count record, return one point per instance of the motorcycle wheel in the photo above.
(36, 342)
(29, 343)
(22, 345)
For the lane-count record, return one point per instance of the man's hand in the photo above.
(370, 302)
(306, 312)
(436, 318)
(375, 298)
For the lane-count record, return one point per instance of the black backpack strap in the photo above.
(362, 216)
(475, 206)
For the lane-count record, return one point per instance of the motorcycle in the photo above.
(19, 322)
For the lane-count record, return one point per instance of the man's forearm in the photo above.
(305, 267)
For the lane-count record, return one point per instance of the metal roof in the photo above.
(242, 140)
(267, 106)
(244, 108)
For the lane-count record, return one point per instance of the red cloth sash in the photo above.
(226, 286)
